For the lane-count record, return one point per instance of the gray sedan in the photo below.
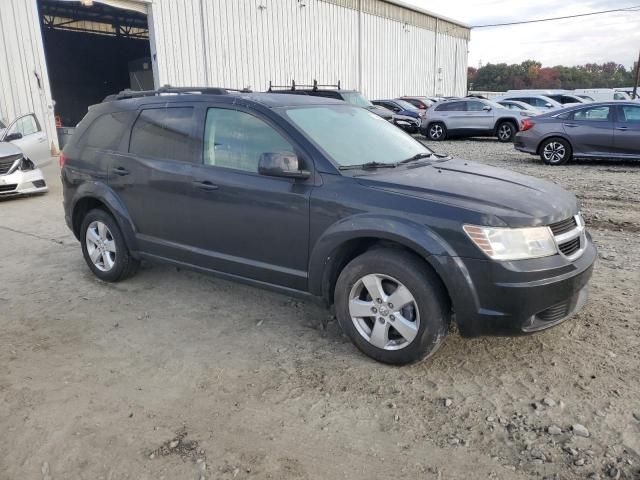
(596, 130)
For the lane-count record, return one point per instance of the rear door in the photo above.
(591, 129)
(249, 224)
(153, 178)
(33, 141)
(626, 134)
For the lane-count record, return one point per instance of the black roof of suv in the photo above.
(317, 198)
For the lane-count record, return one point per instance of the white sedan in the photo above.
(23, 145)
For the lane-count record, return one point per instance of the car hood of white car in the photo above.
(8, 149)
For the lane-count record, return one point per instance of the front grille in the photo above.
(7, 188)
(555, 312)
(7, 162)
(39, 183)
(570, 247)
(563, 226)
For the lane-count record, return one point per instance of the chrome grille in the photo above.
(7, 162)
(570, 236)
(563, 226)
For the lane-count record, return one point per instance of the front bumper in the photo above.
(22, 182)
(520, 297)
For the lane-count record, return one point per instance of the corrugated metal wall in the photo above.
(24, 82)
(247, 43)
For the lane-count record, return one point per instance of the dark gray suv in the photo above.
(324, 200)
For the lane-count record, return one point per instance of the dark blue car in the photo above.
(401, 107)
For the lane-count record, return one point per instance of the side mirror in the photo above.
(486, 108)
(13, 136)
(548, 105)
(281, 164)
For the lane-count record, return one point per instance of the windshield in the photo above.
(406, 105)
(356, 98)
(2, 125)
(354, 136)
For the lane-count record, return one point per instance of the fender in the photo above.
(513, 120)
(103, 193)
(417, 237)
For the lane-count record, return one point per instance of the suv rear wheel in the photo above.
(393, 308)
(555, 151)
(436, 131)
(506, 131)
(104, 248)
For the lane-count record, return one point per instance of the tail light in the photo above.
(62, 160)
(526, 124)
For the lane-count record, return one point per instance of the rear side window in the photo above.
(593, 114)
(106, 132)
(164, 133)
(630, 114)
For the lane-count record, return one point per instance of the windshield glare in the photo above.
(354, 136)
(356, 98)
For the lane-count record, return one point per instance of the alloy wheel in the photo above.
(435, 132)
(554, 152)
(101, 246)
(505, 131)
(384, 311)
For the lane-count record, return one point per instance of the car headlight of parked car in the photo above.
(512, 243)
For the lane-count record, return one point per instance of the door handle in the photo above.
(121, 171)
(570, 125)
(205, 185)
(622, 128)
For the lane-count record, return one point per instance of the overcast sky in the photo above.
(599, 38)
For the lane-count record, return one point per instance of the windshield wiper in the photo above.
(416, 157)
(368, 165)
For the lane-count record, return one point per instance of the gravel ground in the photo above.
(177, 375)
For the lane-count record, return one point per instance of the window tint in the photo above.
(630, 114)
(595, 114)
(106, 131)
(236, 140)
(326, 94)
(164, 133)
(26, 126)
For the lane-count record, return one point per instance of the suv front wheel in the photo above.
(104, 248)
(392, 307)
(506, 131)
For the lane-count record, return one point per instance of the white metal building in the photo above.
(384, 48)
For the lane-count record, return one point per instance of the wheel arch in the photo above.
(506, 119)
(553, 135)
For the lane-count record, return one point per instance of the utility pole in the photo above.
(635, 87)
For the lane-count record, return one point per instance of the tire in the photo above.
(106, 252)
(424, 314)
(436, 131)
(505, 131)
(555, 151)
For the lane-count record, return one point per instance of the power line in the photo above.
(627, 9)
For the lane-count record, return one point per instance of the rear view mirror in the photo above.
(13, 136)
(281, 164)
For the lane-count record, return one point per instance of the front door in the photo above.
(245, 223)
(28, 136)
(153, 178)
(479, 117)
(591, 129)
(626, 133)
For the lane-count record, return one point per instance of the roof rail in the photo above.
(168, 89)
(315, 86)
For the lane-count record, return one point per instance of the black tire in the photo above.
(124, 265)
(555, 151)
(433, 313)
(505, 131)
(436, 131)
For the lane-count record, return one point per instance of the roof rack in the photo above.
(168, 89)
(315, 86)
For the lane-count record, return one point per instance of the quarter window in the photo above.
(593, 114)
(451, 107)
(234, 139)
(106, 131)
(164, 133)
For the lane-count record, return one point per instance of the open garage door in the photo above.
(93, 48)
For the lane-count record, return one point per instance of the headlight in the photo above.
(512, 243)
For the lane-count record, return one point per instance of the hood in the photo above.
(381, 111)
(504, 197)
(8, 150)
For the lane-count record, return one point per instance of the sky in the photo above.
(595, 39)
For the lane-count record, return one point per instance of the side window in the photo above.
(391, 106)
(26, 125)
(630, 114)
(451, 107)
(474, 106)
(593, 114)
(234, 139)
(106, 132)
(165, 133)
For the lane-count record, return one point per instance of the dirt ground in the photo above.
(176, 375)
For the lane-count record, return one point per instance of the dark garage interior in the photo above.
(92, 50)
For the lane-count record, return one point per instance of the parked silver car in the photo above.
(525, 109)
(539, 101)
(23, 145)
(470, 117)
(594, 130)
